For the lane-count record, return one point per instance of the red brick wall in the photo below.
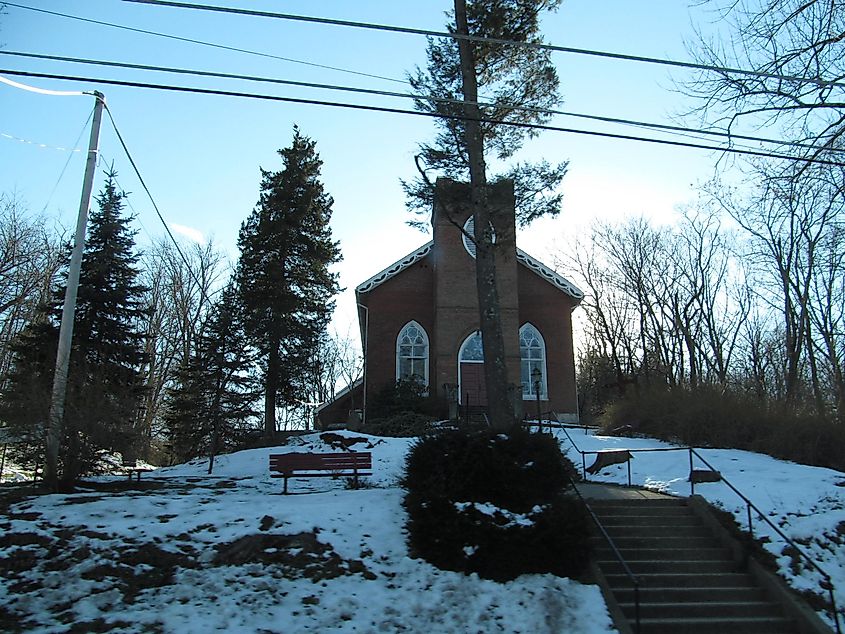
(439, 292)
(550, 311)
(456, 296)
(405, 297)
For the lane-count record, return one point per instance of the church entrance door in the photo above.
(471, 384)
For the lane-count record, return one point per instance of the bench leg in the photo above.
(286, 486)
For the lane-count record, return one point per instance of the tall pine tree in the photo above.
(519, 84)
(216, 389)
(283, 275)
(104, 380)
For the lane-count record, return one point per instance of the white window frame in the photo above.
(528, 392)
(461, 360)
(418, 326)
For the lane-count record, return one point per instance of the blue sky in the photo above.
(200, 155)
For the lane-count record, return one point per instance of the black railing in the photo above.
(749, 505)
(635, 582)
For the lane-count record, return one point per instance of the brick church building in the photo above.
(419, 319)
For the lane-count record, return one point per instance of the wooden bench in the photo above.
(131, 467)
(315, 465)
(607, 458)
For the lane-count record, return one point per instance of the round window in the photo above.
(469, 230)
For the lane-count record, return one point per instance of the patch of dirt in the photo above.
(119, 486)
(267, 523)
(342, 442)
(101, 625)
(23, 517)
(83, 499)
(134, 570)
(24, 539)
(299, 556)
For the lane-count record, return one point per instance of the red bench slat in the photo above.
(304, 465)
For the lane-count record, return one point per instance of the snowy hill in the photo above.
(187, 552)
(198, 553)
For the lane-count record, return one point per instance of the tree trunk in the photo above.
(500, 404)
(271, 386)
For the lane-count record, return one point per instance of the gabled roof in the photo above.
(397, 267)
(531, 263)
(549, 275)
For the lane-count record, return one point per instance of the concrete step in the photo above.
(681, 580)
(669, 510)
(689, 582)
(702, 609)
(658, 532)
(639, 502)
(663, 566)
(717, 625)
(625, 594)
(675, 554)
(623, 541)
(649, 520)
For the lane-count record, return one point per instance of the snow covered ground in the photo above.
(187, 552)
(228, 553)
(807, 503)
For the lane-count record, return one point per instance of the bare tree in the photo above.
(793, 221)
(179, 298)
(797, 51)
(30, 256)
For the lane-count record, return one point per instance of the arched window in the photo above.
(472, 348)
(412, 353)
(532, 353)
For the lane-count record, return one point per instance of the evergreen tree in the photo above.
(104, 381)
(519, 85)
(283, 276)
(216, 390)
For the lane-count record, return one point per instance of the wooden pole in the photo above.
(57, 401)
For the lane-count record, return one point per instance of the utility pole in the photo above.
(57, 401)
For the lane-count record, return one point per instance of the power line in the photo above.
(67, 162)
(488, 40)
(200, 42)
(370, 108)
(672, 129)
(155, 206)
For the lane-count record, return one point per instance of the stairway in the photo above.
(689, 582)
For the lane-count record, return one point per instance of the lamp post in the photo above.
(536, 378)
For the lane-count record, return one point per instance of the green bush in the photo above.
(406, 395)
(494, 504)
(401, 425)
(712, 417)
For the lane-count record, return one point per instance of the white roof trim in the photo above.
(549, 275)
(532, 263)
(395, 268)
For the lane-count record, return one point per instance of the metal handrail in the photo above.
(635, 582)
(748, 506)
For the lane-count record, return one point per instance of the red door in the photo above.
(473, 387)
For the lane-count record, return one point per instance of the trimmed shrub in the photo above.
(401, 425)
(406, 395)
(494, 504)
